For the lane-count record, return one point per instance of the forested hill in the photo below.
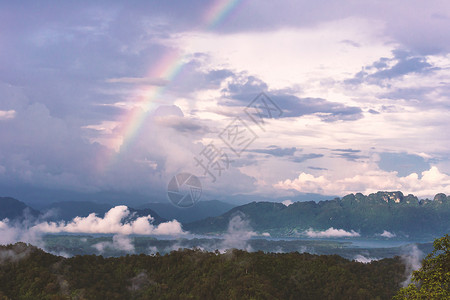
(11, 208)
(29, 273)
(368, 215)
(15, 210)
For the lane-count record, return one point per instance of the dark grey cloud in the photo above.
(348, 150)
(244, 87)
(276, 151)
(243, 162)
(217, 76)
(192, 77)
(59, 58)
(421, 27)
(290, 153)
(317, 168)
(42, 150)
(440, 16)
(328, 111)
(425, 97)
(241, 92)
(403, 63)
(106, 112)
(305, 157)
(348, 154)
(351, 43)
(64, 55)
(183, 125)
(403, 163)
(413, 93)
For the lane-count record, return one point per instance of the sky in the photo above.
(117, 97)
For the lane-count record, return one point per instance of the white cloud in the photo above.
(274, 55)
(364, 260)
(412, 259)
(238, 234)
(387, 234)
(287, 202)
(11, 233)
(7, 234)
(119, 242)
(369, 180)
(331, 233)
(7, 114)
(14, 254)
(112, 222)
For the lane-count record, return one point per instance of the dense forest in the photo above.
(406, 216)
(27, 272)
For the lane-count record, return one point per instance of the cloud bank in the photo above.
(112, 222)
(118, 221)
(11, 233)
(387, 234)
(363, 259)
(119, 242)
(331, 233)
(413, 261)
(238, 234)
(287, 202)
(367, 181)
(345, 75)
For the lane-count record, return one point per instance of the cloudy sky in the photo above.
(116, 97)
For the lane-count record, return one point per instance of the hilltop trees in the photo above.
(432, 280)
(195, 274)
(368, 215)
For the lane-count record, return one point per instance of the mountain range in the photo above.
(67, 210)
(382, 214)
(14, 209)
(201, 210)
(372, 215)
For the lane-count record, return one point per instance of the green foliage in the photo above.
(369, 215)
(432, 280)
(196, 274)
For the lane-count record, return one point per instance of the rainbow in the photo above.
(168, 67)
(218, 12)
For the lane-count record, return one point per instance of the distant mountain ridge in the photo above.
(372, 215)
(368, 215)
(199, 211)
(68, 210)
(14, 209)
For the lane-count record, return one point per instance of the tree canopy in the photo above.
(30, 273)
(432, 280)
